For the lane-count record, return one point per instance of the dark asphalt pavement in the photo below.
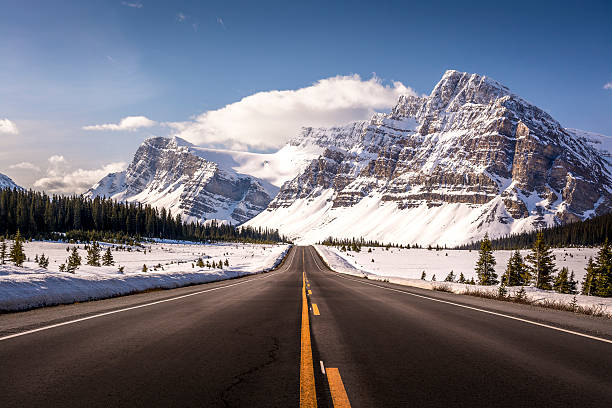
(237, 344)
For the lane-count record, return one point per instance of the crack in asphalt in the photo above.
(240, 378)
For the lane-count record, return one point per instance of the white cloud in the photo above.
(181, 17)
(25, 166)
(128, 123)
(60, 179)
(133, 4)
(608, 86)
(7, 126)
(267, 120)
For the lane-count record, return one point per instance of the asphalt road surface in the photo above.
(278, 340)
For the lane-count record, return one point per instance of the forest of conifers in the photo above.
(40, 216)
(591, 232)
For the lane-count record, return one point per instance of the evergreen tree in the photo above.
(16, 254)
(423, 275)
(516, 272)
(461, 278)
(486, 263)
(542, 263)
(450, 277)
(107, 258)
(603, 271)
(572, 284)
(93, 254)
(144, 268)
(2, 251)
(200, 263)
(589, 282)
(562, 284)
(43, 261)
(74, 261)
(227, 261)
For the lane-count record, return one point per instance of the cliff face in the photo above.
(470, 158)
(170, 173)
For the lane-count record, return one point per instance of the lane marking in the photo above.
(336, 388)
(315, 309)
(308, 393)
(10, 336)
(322, 367)
(478, 309)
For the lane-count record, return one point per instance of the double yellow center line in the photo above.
(308, 393)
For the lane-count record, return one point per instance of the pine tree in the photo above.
(450, 277)
(588, 283)
(562, 284)
(433, 278)
(200, 263)
(107, 258)
(74, 261)
(93, 254)
(603, 271)
(542, 263)
(144, 268)
(16, 254)
(572, 283)
(43, 261)
(423, 275)
(516, 272)
(227, 261)
(2, 251)
(486, 263)
(461, 278)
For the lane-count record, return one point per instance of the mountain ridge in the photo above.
(472, 157)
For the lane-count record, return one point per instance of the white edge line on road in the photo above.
(322, 367)
(145, 305)
(473, 308)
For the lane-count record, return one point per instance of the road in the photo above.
(278, 340)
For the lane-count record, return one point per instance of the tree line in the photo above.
(38, 215)
(591, 232)
(538, 269)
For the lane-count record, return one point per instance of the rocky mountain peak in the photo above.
(473, 153)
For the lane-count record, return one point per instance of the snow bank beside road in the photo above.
(31, 287)
(387, 271)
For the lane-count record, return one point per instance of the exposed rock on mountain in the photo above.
(470, 158)
(171, 173)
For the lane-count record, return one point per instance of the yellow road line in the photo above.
(308, 394)
(336, 388)
(315, 309)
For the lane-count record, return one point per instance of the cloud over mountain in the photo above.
(266, 120)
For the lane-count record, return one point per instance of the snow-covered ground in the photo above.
(405, 266)
(169, 265)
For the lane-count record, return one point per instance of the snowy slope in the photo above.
(6, 182)
(170, 266)
(471, 158)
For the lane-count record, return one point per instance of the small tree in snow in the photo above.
(17, 255)
(486, 263)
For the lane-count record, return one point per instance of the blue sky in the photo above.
(65, 65)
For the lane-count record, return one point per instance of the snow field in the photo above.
(405, 266)
(169, 266)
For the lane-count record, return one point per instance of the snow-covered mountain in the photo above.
(447, 168)
(6, 182)
(203, 184)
